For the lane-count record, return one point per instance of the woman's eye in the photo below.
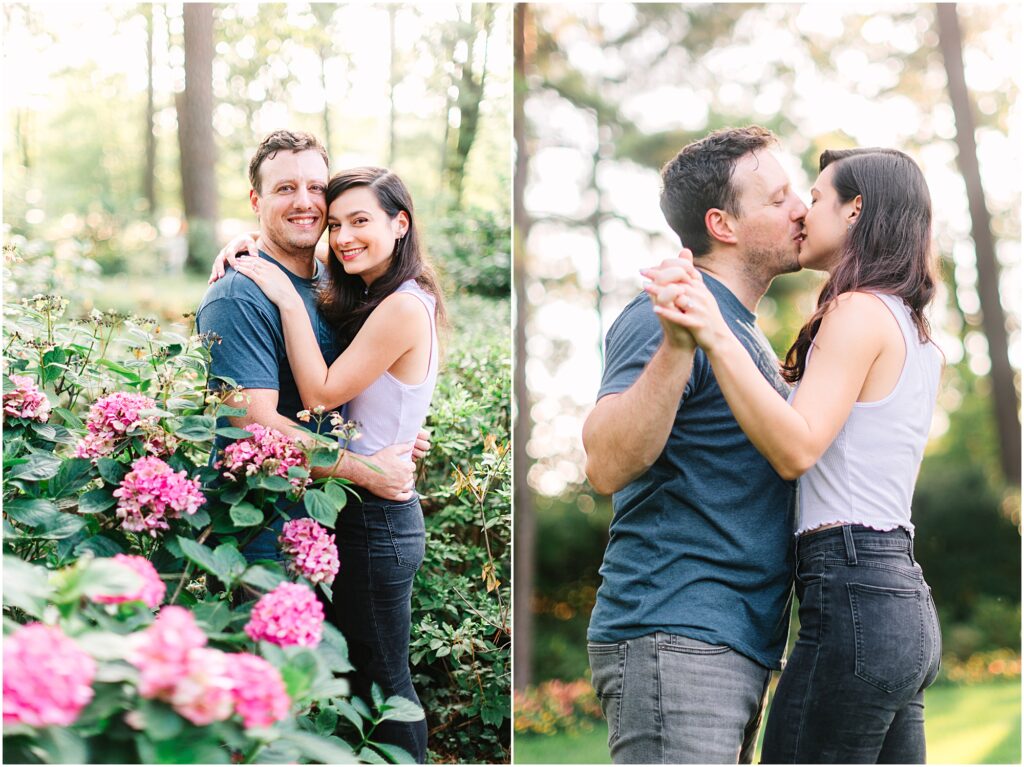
(331, 227)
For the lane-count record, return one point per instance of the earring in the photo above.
(849, 228)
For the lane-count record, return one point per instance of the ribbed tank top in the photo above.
(867, 475)
(389, 411)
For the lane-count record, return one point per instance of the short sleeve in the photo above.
(632, 340)
(247, 350)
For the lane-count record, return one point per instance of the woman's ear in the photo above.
(401, 223)
(854, 212)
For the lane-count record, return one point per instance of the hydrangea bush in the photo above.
(135, 630)
(122, 540)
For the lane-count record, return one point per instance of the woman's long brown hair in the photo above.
(345, 300)
(887, 250)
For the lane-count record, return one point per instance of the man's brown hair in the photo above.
(293, 141)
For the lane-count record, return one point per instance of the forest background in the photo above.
(606, 94)
(128, 132)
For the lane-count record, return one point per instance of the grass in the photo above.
(976, 724)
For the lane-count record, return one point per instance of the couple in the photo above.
(705, 445)
(363, 335)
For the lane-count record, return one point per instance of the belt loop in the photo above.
(910, 538)
(851, 551)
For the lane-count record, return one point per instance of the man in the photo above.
(693, 610)
(289, 178)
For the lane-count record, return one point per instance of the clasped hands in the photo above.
(688, 311)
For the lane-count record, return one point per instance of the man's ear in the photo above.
(254, 201)
(721, 226)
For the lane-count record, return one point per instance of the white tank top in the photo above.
(867, 475)
(389, 411)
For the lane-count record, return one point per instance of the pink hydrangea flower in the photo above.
(111, 418)
(204, 693)
(268, 452)
(151, 591)
(26, 401)
(313, 553)
(47, 677)
(161, 651)
(259, 691)
(290, 614)
(152, 492)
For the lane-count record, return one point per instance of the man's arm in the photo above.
(394, 481)
(626, 432)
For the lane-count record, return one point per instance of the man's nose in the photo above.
(303, 198)
(799, 211)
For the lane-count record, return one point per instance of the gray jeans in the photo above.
(673, 700)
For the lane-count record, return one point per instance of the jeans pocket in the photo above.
(890, 635)
(408, 535)
(608, 672)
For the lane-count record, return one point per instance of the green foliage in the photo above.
(473, 251)
(461, 600)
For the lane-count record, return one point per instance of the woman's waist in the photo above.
(863, 539)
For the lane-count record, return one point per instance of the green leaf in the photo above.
(245, 514)
(61, 745)
(297, 472)
(323, 458)
(369, 756)
(400, 710)
(26, 586)
(377, 695)
(201, 556)
(112, 471)
(69, 418)
(330, 750)
(199, 519)
(233, 432)
(337, 493)
(276, 484)
(214, 615)
(72, 476)
(395, 754)
(330, 688)
(326, 721)
(261, 577)
(99, 545)
(58, 527)
(334, 649)
(362, 708)
(230, 563)
(37, 467)
(227, 410)
(196, 428)
(96, 501)
(30, 511)
(105, 645)
(348, 711)
(319, 507)
(121, 370)
(233, 494)
(298, 675)
(105, 577)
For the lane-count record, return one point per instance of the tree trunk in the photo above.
(993, 319)
(392, 82)
(525, 523)
(471, 88)
(149, 172)
(195, 135)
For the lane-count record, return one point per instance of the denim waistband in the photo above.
(366, 498)
(847, 540)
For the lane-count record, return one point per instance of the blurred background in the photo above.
(605, 95)
(128, 130)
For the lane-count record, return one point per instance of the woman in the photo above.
(854, 431)
(383, 304)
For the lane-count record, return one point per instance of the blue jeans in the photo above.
(869, 644)
(674, 700)
(380, 547)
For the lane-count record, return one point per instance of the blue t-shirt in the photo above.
(251, 350)
(700, 544)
